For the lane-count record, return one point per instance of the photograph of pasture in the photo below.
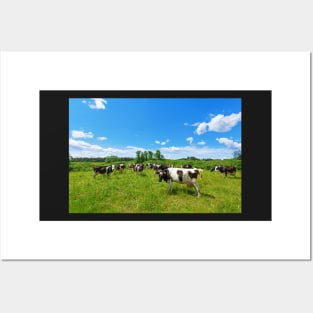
(155, 155)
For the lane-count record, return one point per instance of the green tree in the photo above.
(138, 156)
(158, 155)
(112, 159)
(150, 155)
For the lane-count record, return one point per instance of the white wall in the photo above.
(238, 286)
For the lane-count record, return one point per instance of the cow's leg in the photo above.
(94, 174)
(171, 186)
(195, 184)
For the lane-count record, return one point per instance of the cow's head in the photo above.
(164, 175)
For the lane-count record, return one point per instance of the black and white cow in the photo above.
(182, 176)
(102, 170)
(119, 167)
(138, 168)
(224, 169)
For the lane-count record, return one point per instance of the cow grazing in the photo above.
(102, 170)
(225, 169)
(182, 176)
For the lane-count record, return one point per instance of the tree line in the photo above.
(144, 156)
(141, 157)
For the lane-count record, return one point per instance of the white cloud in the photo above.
(190, 140)
(102, 138)
(83, 145)
(219, 123)
(201, 143)
(162, 143)
(98, 103)
(202, 128)
(81, 134)
(229, 143)
(79, 148)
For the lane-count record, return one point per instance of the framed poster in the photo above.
(39, 219)
(99, 124)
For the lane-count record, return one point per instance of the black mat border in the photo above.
(256, 154)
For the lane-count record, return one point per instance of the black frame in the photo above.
(256, 155)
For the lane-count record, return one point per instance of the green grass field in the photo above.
(129, 192)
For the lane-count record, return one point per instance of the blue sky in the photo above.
(178, 127)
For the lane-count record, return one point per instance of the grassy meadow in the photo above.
(129, 192)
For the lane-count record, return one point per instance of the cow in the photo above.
(131, 166)
(119, 167)
(182, 176)
(102, 170)
(138, 168)
(225, 169)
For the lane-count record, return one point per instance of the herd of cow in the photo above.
(186, 174)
